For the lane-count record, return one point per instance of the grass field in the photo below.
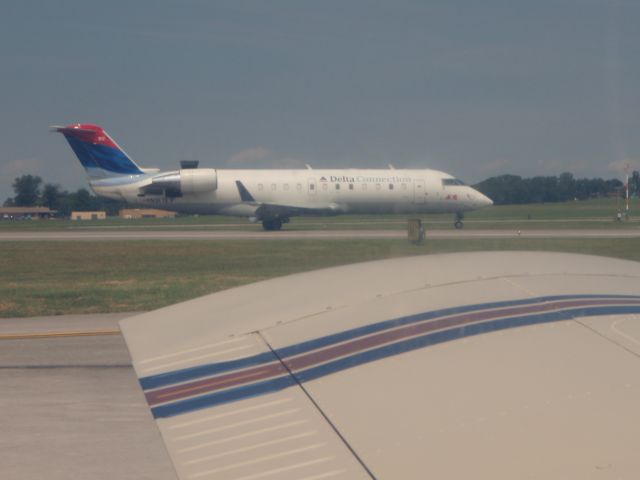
(597, 213)
(45, 278)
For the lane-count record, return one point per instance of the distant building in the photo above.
(130, 213)
(88, 215)
(26, 213)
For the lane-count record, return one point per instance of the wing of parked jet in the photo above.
(490, 365)
(272, 210)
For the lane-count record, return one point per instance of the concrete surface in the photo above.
(71, 407)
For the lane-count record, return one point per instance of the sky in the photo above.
(476, 89)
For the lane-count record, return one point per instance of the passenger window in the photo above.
(391, 186)
(351, 186)
(312, 186)
(337, 186)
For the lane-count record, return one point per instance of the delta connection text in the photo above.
(363, 179)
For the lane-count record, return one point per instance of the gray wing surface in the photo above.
(266, 210)
(252, 421)
(501, 365)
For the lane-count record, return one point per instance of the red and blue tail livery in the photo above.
(99, 154)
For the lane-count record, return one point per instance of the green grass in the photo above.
(596, 213)
(45, 278)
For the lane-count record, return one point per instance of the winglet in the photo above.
(245, 196)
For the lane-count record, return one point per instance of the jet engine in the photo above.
(184, 182)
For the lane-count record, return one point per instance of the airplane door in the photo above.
(311, 186)
(418, 191)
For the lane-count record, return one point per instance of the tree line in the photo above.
(29, 191)
(513, 189)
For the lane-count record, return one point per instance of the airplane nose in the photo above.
(486, 201)
(481, 199)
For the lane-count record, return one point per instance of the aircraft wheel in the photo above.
(458, 220)
(273, 224)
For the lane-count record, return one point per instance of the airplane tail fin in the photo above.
(98, 153)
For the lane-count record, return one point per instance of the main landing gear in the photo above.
(273, 224)
(458, 220)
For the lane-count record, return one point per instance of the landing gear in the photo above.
(273, 224)
(458, 220)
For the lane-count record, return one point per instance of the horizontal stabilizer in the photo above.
(71, 129)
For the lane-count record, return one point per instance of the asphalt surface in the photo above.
(71, 406)
(97, 235)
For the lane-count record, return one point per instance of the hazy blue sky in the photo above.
(474, 88)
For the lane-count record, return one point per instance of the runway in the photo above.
(71, 406)
(100, 235)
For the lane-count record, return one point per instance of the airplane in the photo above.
(268, 196)
(493, 365)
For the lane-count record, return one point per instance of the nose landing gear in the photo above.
(458, 220)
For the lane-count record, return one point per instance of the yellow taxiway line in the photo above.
(79, 333)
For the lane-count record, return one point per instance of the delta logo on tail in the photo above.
(98, 153)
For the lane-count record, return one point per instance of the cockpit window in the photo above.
(451, 181)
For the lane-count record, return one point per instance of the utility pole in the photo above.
(626, 185)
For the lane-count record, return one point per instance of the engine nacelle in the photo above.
(185, 182)
(198, 180)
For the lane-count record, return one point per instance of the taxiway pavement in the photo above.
(71, 406)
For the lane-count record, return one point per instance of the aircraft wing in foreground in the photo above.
(485, 365)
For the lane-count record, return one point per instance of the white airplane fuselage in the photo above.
(327, 191)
